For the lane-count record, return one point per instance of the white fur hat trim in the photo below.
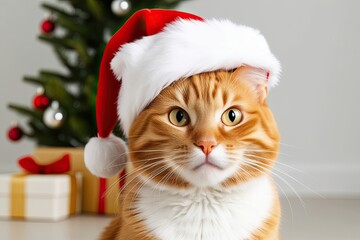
(182, 49)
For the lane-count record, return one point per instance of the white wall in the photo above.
(20, 53)
(315, 104)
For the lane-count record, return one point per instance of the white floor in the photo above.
(331, 219)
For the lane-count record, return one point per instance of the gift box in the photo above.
(100, 195)
(40, 196)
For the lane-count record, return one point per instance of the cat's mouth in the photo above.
(207, 163)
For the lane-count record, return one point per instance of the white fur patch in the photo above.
(182, 49)
(203, 214)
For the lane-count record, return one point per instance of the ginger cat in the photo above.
(200, 157)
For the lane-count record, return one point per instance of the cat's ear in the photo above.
(257, 78)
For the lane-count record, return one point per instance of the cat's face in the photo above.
(205, 130)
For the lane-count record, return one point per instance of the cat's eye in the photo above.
(179, 117)
(231, 117)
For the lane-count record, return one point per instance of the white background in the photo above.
(316, 103)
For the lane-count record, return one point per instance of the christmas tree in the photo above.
(63, 109)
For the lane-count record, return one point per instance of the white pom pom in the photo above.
(105, 157)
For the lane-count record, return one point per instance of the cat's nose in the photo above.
(206, 146)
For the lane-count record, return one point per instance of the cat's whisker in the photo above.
(126, 176)
(290, 145)
(139, 170)
(115, 157)
(118, 182)
(239, 153)
(173, 172)
(129, 182)
(246, 172)
(268, 159)
(287, 198)
(266, 151)
(137, 183)
(277, 162)
(163, 180)
(111, 187)
(289, 166)
(148, 150)
(278, 185)
(151, 159)
(152, 176)
(142, 160)
(291, 177)
(179, 173)
(138, 136)
(140, 151)
(148, 166)
(254, 164)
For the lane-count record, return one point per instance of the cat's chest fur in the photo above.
(206, 214)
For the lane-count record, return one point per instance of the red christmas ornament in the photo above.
(41, 102)
(15, 133)
(47, 26)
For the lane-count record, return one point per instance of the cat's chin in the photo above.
(207, 175)
(208, 165)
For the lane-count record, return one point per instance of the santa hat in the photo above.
(153, 49)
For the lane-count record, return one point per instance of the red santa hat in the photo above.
(153, 49)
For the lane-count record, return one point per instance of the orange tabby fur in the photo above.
(152, 137)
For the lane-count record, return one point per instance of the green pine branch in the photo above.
(75, 26)
(65, 42)
(54, 137)
(36, 114)
(89, 88)
(64, 59)
(56, 90)
(33, 80)
(79, 127)
(57, 10)
(58, 41)
(96, 8)
(81, 49)
(38, 127)
(78, 4)
(47, 74)
(71, 44)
